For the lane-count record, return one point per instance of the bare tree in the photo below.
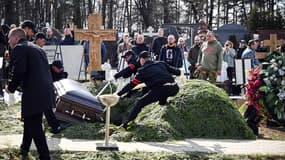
(145, 8)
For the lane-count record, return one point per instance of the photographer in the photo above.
(229, 56)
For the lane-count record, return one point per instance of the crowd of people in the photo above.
(202, 60)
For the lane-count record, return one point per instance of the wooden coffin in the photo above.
(75, 103)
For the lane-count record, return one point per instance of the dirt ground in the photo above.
(272, 133)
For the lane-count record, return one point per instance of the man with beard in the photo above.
(210, 58)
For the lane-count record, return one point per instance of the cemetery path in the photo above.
(238, 147)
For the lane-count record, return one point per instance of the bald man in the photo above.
(170, 53)
(210, 58)
(30, 70)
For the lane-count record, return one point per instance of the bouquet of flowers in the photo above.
(273, 86)
(253, 94)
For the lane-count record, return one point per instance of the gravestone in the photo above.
(241, 70)
(95, 35)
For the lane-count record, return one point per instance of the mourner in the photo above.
(133, 65)
(140, 45)
(30, 69)
(158, 78)
(170, 53)
(57, 71)
(209, 63)
(57, 74)
(158, 42)
(249, 53)
(40, 39)
(193, 55)
(30, 29)
(51, 39)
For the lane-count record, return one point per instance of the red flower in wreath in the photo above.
(252, 88)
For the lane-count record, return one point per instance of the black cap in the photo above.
(144, 54)
(40, 35)
(29, 24)
(57, 63)
(127, 53)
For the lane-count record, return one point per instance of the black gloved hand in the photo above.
(116, 76)
(120, 93)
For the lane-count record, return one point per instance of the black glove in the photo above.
(120, 93)
(116, 76)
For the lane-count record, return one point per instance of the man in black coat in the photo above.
(140, 45)
(158, 42)
(158, 79)
(193, 55)
(132, 67)
(30, 70)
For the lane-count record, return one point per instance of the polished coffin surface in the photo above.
(75, 103)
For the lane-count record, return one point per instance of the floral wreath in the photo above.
(273, 86)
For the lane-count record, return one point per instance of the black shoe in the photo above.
(24, 155)
(58, 129)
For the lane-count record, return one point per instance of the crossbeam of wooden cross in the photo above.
(95, 34)
(273, 42)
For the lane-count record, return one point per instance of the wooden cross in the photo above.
(273, 43)
(95, 34)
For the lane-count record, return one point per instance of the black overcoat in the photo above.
(30, 71)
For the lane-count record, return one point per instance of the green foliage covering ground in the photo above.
(13, 154)
(199, 110)
(9, 122)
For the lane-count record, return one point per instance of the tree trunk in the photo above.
(244, 12)
(195, 13)
(166, 15)
(104, 6)
(10, 11)
(110, 16)
(211, 14)
(218, 14)
(90, 9)
(77, 14)
(37, 12)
